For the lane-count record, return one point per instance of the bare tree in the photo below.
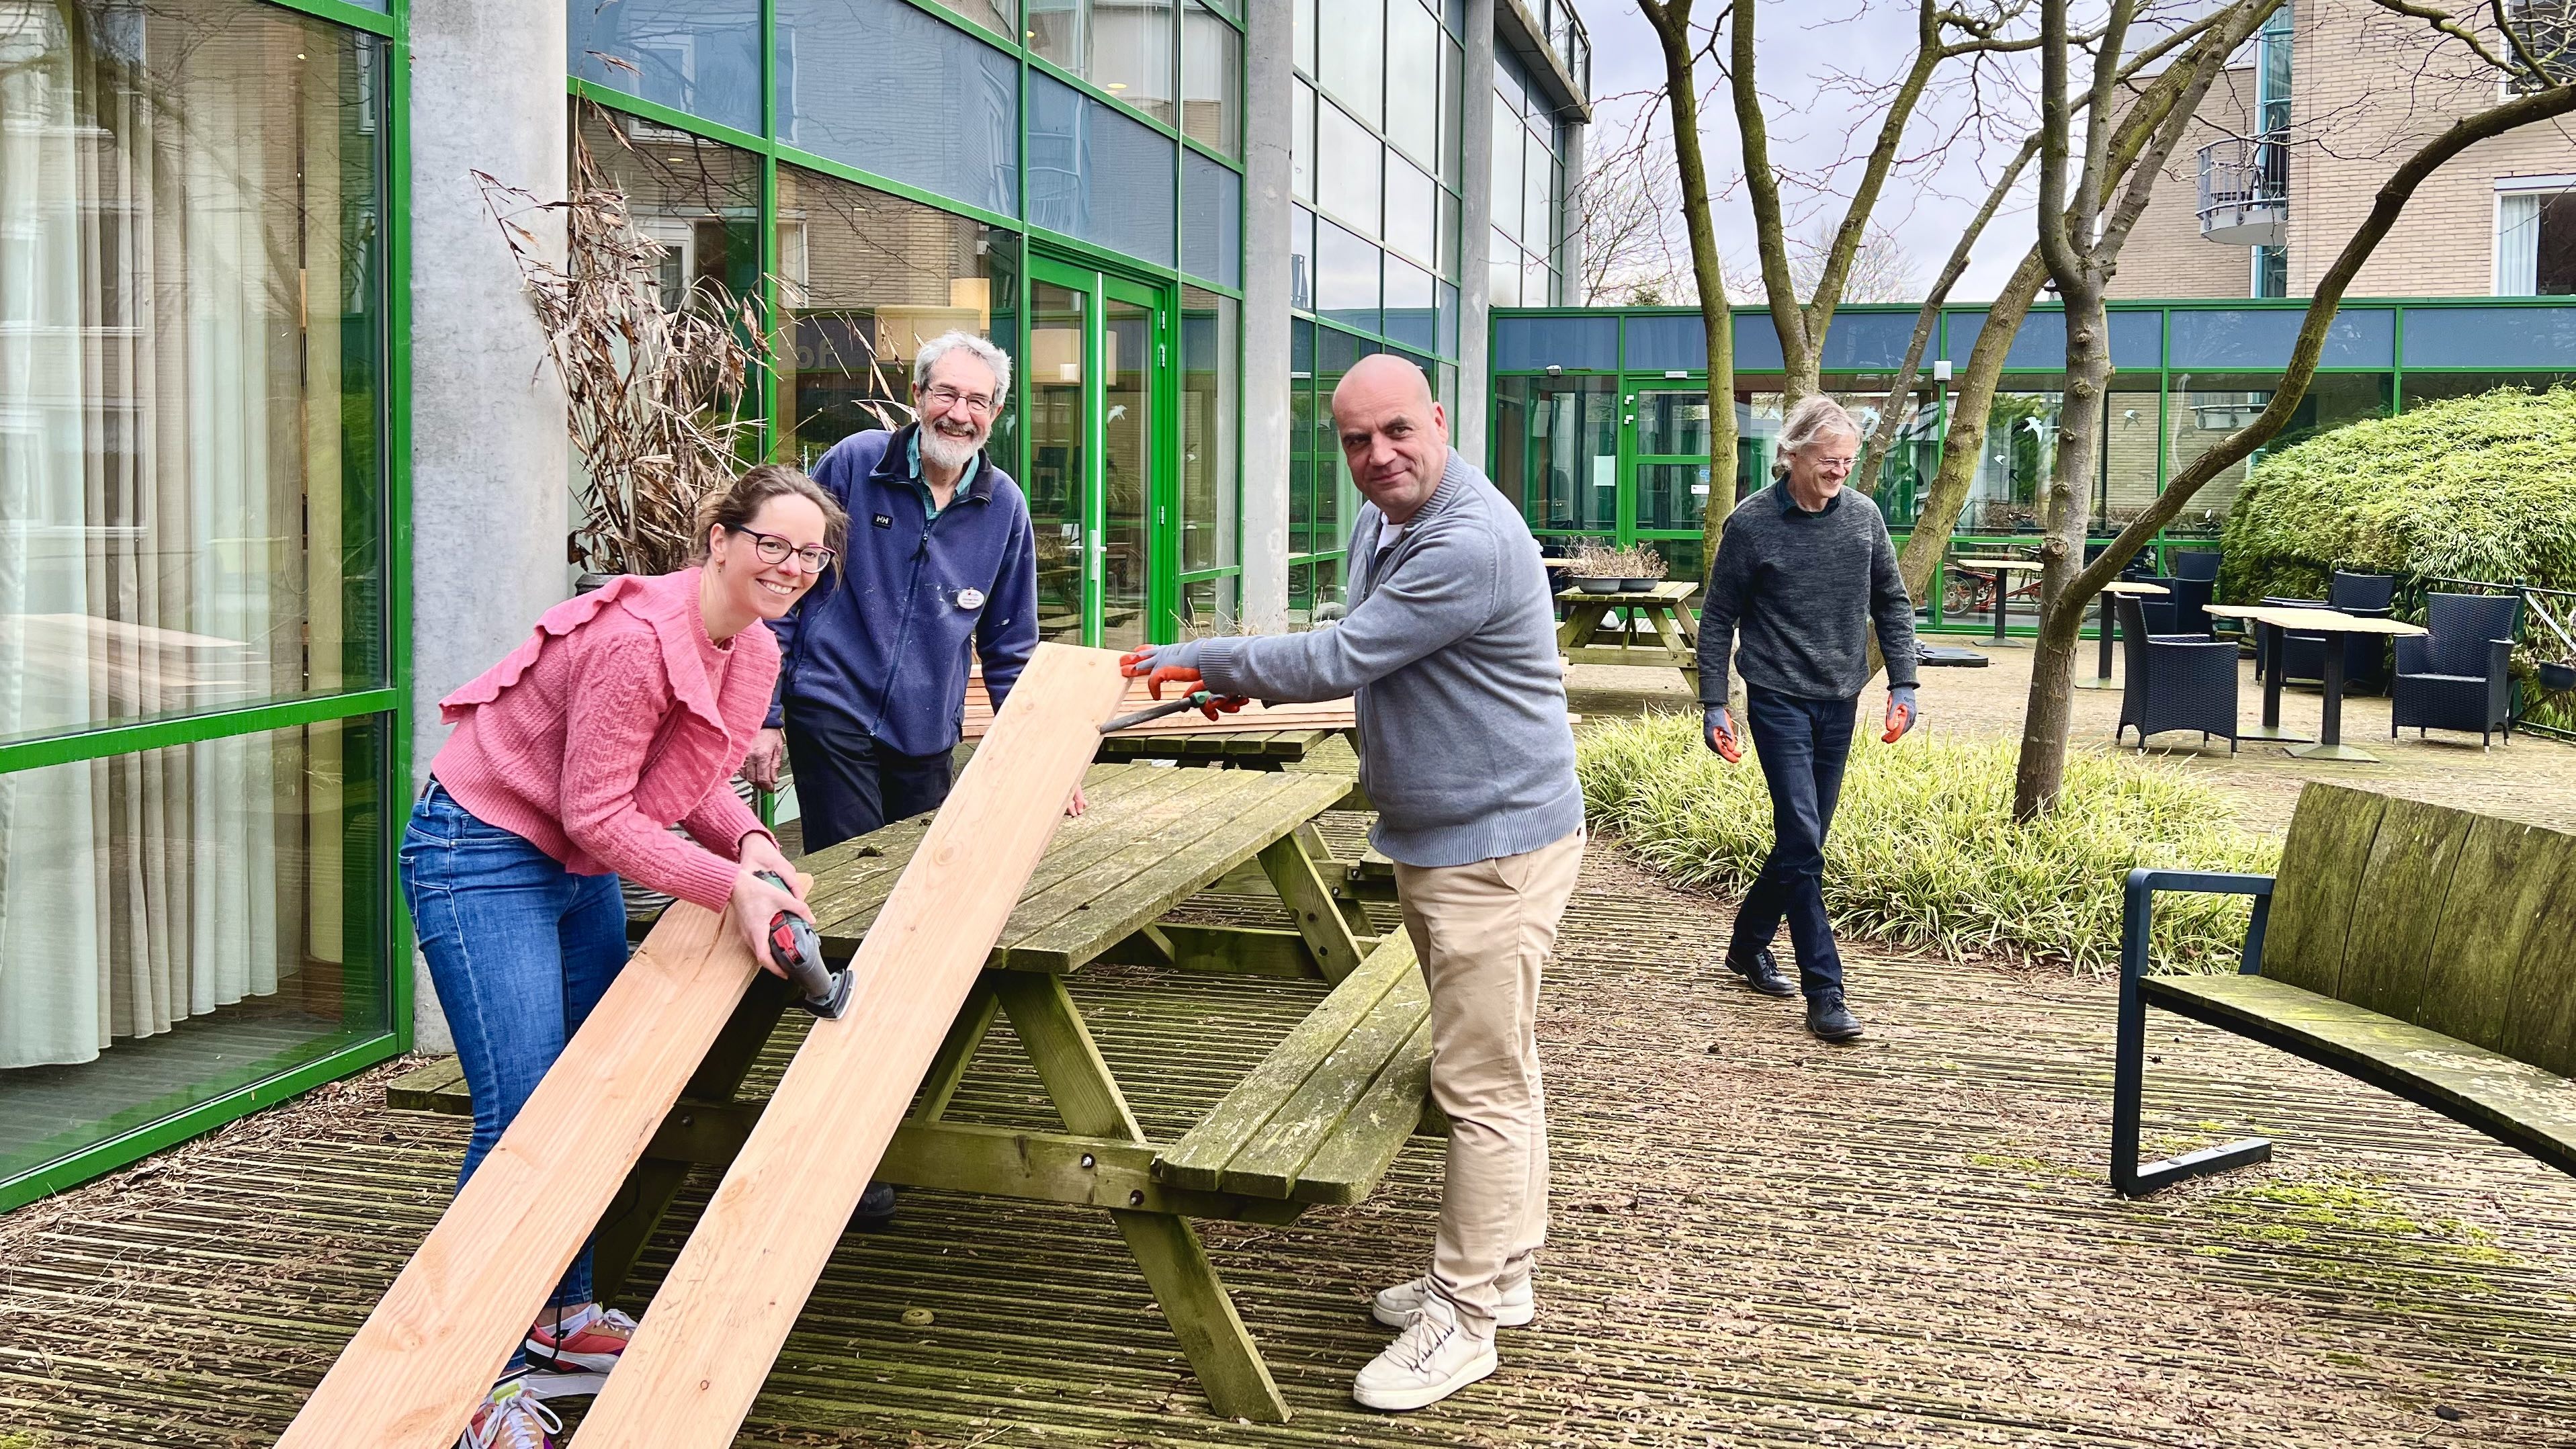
(1671, 20)
(1882, 268)
(2537, 88)
(1630, 200)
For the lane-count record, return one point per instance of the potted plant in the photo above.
(1596, 568)
(1640, 568)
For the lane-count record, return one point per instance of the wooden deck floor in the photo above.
(1758, 1240)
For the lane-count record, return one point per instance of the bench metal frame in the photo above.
(2129, 1063)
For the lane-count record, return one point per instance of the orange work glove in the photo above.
(1141, 663)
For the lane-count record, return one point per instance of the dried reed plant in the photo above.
(659, 399)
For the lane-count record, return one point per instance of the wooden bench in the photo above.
(1317, 1119)
(2428, 951)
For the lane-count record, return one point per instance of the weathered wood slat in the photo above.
(1200, 1158)
(1279, 1156)
(2541, 1027)
(2390, 941)
(2312, 894)
(2487, 940)
(715, 1327)
(1346, 1168)
(1164, 838)
(2525, 1105)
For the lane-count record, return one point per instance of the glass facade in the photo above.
(195, 670)
(1529, 190)
(1614, 445)
(1373, 238)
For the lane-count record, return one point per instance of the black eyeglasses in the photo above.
(774, 550)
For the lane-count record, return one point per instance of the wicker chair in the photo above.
(2174, 683)
(2303, 656)
(2454, 678)
(2190, 598)
(2198, 563)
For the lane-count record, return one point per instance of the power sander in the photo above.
(793, 945)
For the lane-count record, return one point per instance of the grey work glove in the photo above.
(1718, 729)
(1902, 712)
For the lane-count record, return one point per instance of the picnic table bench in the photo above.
(1587, 635)
(1318, 1119)
(2428, 951)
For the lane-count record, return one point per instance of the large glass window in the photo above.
(2205, 407)
(1122, 46)
(700, 199)
(869, 278)
(191, 346)
(1348, 180)
(1412, 102)
(1211, 220)
(882, 86)
(1099, 175)
(1346, 282)
(2021, 452)
(1351, 45)
(1210, 406)
(2535, 244)
(1568, 471)
(1211, 81)
(698, 56)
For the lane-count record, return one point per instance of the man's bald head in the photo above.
(1394, 434)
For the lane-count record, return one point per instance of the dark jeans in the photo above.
(520, 950)
(1803, 745)
(847, 784)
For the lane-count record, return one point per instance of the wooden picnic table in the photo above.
(1583, 639)
(2114, 589)
(1318, 1120)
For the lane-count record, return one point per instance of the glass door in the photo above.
(1101, 456)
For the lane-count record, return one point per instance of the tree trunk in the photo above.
(1965, 442)
(2042, 770)
(1671, 20)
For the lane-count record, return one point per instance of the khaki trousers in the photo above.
(1482, 933)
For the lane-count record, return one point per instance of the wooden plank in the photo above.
(2399, 904)
(1275, 1160)
(1166, 840)
(1200, 1157)
(2320, 874)
(708, 1340)
(2499, 894)
(2525, 1105)
(2541, 1027)
(430, 1350)
(1221, 950)
(428, 1088)
(1347, 1167)
(1311, 905)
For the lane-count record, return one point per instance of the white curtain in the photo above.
(159, 387)
(2518, 244)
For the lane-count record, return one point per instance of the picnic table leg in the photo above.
(1669, 628)
(639, 1205)
(1581, 623)
(1310, 901)
(1220, 1349)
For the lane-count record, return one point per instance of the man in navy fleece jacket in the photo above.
(942, 565)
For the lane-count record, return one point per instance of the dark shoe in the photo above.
(1762, 973)
(1830, 1020)
(876, 1208)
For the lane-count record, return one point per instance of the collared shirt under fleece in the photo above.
(1449, 652)
(1802, 590)
(881, 643)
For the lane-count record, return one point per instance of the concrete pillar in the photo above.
(1269, 83)
(1476, 229)
(489, 444)
(1569, 221)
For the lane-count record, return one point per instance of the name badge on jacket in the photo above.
(970, 598)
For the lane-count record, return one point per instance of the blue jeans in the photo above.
(847, 784)
(520, 949)
(1803, 745)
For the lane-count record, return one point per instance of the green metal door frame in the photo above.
(1162, 461)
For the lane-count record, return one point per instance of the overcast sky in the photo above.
(1802, 46)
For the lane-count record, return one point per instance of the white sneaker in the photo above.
(1433, 1358)
(1396, 1306)
(511, 1419)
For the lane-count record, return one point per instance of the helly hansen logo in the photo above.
(882, 520)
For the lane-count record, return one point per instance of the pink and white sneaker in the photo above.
(511, 1419)
(584, 1343)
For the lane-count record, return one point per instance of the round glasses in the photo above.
(774, 550)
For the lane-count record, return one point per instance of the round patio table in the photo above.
(2000, 567)
(2329, 743)
(2102, 672)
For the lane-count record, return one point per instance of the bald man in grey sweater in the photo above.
(1449, 650)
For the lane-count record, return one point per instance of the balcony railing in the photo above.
(2245, 192)
(1567, 37)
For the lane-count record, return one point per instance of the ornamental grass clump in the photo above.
(1924, 852)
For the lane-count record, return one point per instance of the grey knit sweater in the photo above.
(1449, 650)
(1801, 590)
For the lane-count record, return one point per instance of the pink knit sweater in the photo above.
(605, 728)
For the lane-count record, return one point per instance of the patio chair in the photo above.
(2303, 656)
(2174, 684)
(2190, 599)
(2159, 611)
(2199, 563)
(2454, 678)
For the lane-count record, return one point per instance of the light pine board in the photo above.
(430, 1350)
(712, 1332)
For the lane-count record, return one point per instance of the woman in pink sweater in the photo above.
(628, 710)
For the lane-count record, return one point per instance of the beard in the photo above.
(949, 450)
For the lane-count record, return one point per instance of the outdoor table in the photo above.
(2267, 637)
(1582, 638)
(2330, 745)
(2001, 567)
(2102, 674)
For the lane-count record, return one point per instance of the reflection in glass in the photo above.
(869, 278)
(880, 85)
(1211, 81)
(2126, 483)
(1672, 424)
(994, 15)
(1449, 241)
(1351, 45)
(1448, 320)
(1412, 318)
(1211, 220)
(1126, 469)
(2426, 387)
(1412, 216)
(1210, 607)
(1099, 174)
(2205, 407)
(2021, 451)
(1538, 197)
(1301, 142)
(1685, 558)
(1573, 457)
(1301, 259)
(1346, 281)
(1347, 161)
(1509, 150)
(183, 922)
(190, 312)
(698, 56)
(1503, 273)
(1413, 43)
(1315, 592)
(1452, 87)
(1059, 466)
(1672, 495)
(1210, 408)
(700, 199)
(1130, 54)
